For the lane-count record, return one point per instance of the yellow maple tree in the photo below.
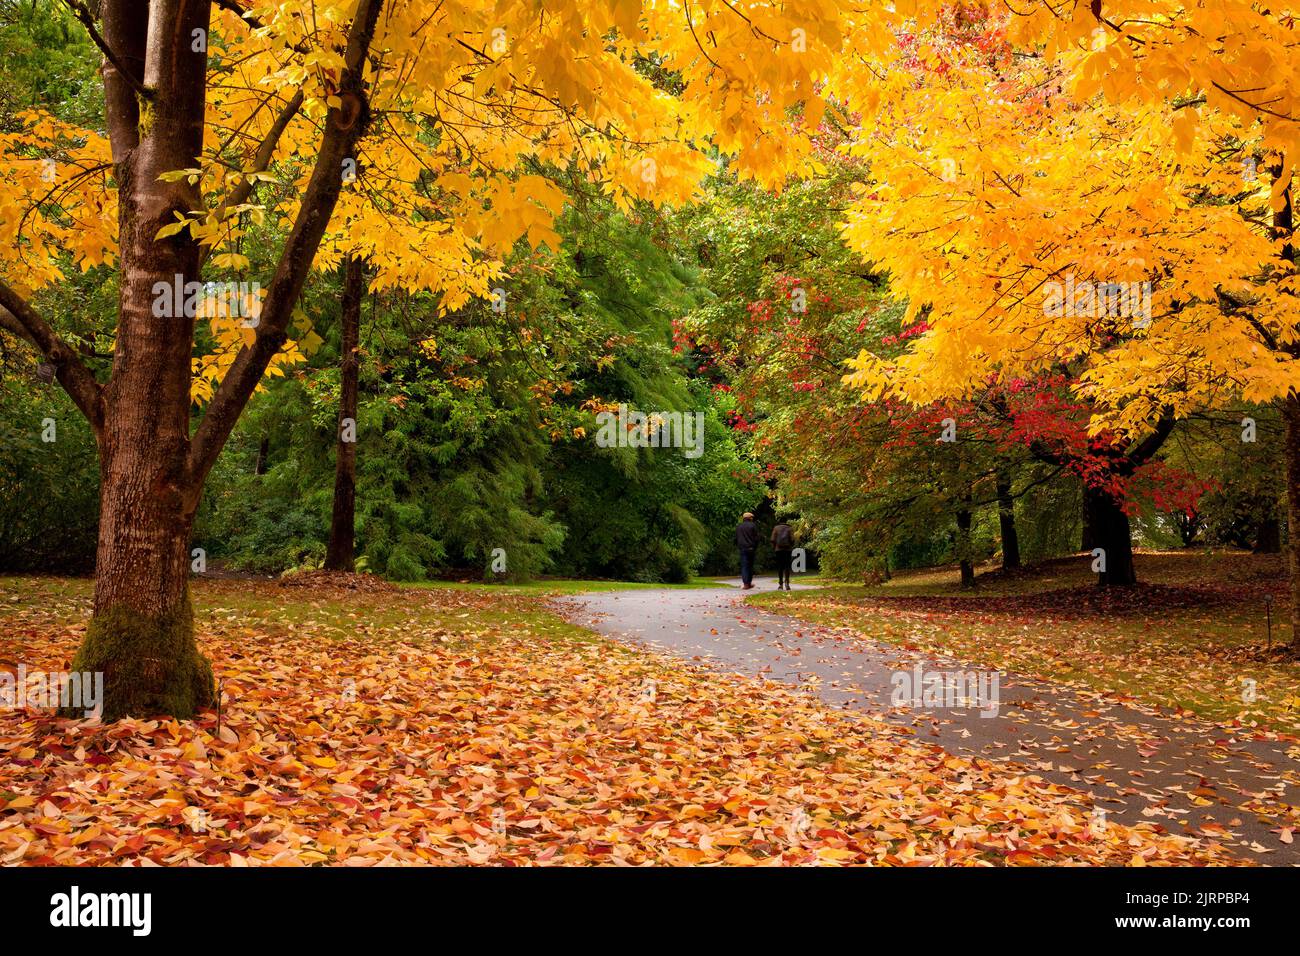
(418, 136)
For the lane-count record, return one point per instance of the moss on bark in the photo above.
(151, 665)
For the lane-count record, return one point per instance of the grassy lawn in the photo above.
(1187, 637)
(453, 613)
(554, 586)
(458, 607)
(378, 725)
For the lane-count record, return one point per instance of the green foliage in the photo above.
(442, 479)
(49, 62)
(1049, 520)
(482, 439)
(1248, 491)
(650, 514)
(476, 429)
(49, 490)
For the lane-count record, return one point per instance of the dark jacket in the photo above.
(747, 536)
(782, 537)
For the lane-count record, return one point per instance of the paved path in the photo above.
(1187, 776)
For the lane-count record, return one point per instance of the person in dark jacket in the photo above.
(783, 548)
(747, 542)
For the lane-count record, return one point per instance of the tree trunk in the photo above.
(263, 449)
(1268, 537)
(141, 635)
(339, 556)
(1111, 533)
(1086, 538)
(964, 547)
(1007, 523)
(1283, 227)
(1291, 416)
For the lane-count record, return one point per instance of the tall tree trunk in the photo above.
(141, 634)
(1283, 228)
(964, 548)
(339, 556)
(1112, 534)
(1291, 449)
(263, 449)
(1007, 522)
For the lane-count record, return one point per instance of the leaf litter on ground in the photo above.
(467, 727)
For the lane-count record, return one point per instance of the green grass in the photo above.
(1161, 647)
(259, 606)
(436, 607)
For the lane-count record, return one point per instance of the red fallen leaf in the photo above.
(135, 844)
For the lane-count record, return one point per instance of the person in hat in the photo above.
(747, 542)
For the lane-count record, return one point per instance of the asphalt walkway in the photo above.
(1188, 776)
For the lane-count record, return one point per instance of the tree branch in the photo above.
(76, 379)
(82, 13)
(124, 32)
(261, 160)
(345, 125)
(1142, 452)
(9, 322)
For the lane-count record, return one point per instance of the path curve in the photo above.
(1187, 776)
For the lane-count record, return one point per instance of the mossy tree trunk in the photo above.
(141, 634)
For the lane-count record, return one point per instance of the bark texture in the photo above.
(141, 634)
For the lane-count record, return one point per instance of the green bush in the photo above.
(49, 490)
